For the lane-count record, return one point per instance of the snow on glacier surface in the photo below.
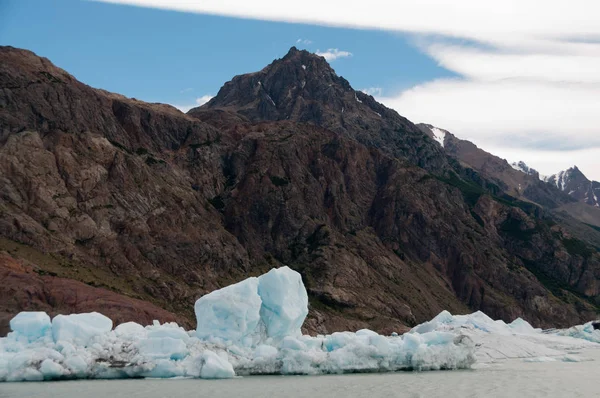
(253, 327)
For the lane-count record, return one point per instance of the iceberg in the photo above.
(231, 313)
(586, 332)
(31, 324)
(80, 328)
(496, 340)
(254, 327)
(273, 305)
(284, 302)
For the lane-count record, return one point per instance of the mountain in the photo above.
(517, 180)
(303, 88)
(577, 185)
(154, 207)
(523, 167)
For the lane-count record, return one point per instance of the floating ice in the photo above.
(496, 340)
(284, 302)
(215, 367)
(586, 332)
(540, 359)
(231, 313)
(31, 324)
(273, 305)
(80, 328)
(253, 327)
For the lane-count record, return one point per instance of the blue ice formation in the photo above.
(251, 327)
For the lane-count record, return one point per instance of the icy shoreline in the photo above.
(253, 328)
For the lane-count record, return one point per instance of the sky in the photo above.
(519, 78)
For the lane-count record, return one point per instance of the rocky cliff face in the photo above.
(141, 200)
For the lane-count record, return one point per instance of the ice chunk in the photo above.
(520, 325)
(215, 367)
(165, 368)
(51, 370)
(171, 330)
(284, 302)
(78, 365)
(130, 329)
(162, 347)
(31, 324)
(265, 351)
(231, 313)
(291, 343)
(540, 359)
(80, 328)
(585, 332)
(436, 323)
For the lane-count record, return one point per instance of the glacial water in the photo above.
(509, 378)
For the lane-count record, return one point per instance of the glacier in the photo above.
(254, 327)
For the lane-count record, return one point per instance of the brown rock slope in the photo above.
(164, 207)
(28, 287)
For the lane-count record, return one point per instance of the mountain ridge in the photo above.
(302, 87)
(577, 185)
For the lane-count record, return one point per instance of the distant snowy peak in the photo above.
(577, 185)
(522, 166)
(561, 179)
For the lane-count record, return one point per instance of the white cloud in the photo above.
(374, 91)
(198, 102)
(203, 100)
(510, 113)
(333, 53)
(473, 19)
(304, 41)
(529, 71)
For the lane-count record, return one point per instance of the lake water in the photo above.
(511, 378)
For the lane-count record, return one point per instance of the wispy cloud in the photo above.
(304, 41)
(203, 100)
(198, 102)
(333, 53)
(374, 91)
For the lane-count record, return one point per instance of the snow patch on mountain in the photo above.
(439, 135)
(523, 167)
(577, 185)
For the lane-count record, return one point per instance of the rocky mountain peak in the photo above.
(577, 185)
(567, 179)
(290, 88)
(522, 166)
(302, 87)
